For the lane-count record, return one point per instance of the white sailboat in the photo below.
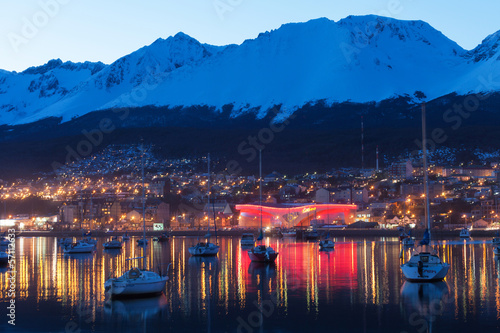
(206, 249)
(261, 253)
(424, 264)
(137, 282)
(79, 247)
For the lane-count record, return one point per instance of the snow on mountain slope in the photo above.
(359, 59)
(138, 71)
(39, 87)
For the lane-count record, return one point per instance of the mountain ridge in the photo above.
(359, 58)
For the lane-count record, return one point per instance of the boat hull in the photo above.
(262, 257)
(118, 288)
(429, 273)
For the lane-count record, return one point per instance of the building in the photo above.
(400, 170)
(293, 215)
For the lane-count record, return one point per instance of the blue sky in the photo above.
(35, 31)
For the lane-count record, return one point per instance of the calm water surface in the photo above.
(358, 287)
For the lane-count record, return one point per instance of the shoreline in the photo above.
(238, 232)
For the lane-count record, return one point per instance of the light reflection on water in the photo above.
(358, 286)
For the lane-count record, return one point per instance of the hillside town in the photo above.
(104, 192)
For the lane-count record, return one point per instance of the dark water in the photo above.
(358, 287)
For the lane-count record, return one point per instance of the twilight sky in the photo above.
(35, 31)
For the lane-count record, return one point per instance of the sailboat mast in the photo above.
(208, 193)
(424, 160)
(143, 195)
(260, 186)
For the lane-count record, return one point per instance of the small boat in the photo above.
(4, 258)
(289, 233)
(136, 283)
(496, 251)
(464, 233)
(79, 247)
(403, 235)
(247, 240)
(125, 237)
(261, 253)
(326, 244)
(204, 249)
(114, 243)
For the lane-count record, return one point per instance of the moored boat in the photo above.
(425, 266)
(464, 233)
(261, 253)
(247, 240)
(136, 283)
(79, 247)
(204, 249)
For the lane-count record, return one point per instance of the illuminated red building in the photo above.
(292, 215)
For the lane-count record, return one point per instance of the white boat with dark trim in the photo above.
(114, 243)
(464, 233)
(135, 283)
(425, 265)
(204, 249)
(79, 247)
(247, 240)
(261, 253)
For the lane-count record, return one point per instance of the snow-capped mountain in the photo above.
(22, 94)
(359, 59)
